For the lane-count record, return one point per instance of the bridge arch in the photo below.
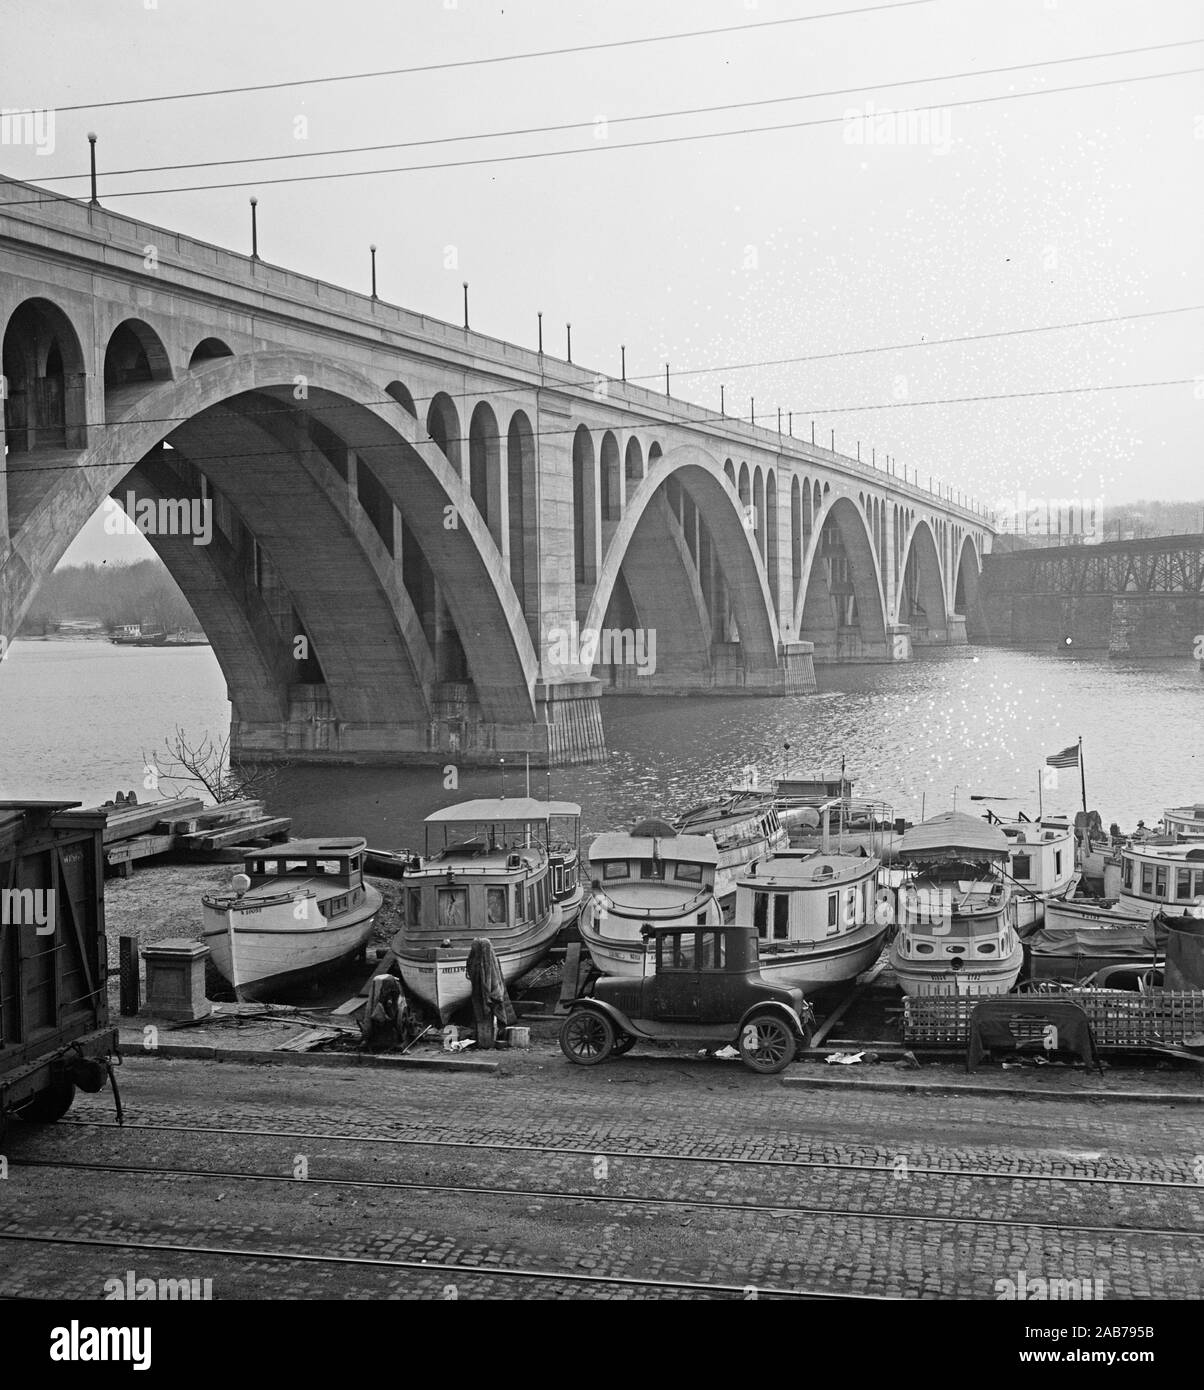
(485, 469)
(585, 508)
(45, 399)
(400, 392)
(443, 426)
(841, 609)
(208, 350)
(681, 603)
(610, 478)
(224, 407)
(921, 598)
(523, 515)
(134, 356)
(634, 464)
(965, 585)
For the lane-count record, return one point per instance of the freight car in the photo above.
(55, 1034)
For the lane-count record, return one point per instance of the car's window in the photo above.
(712, 952)
(677, 952)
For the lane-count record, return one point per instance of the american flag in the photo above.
(1068, 757)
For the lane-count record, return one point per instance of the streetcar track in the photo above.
(438, 1267)
(617, 1199)
(655, 1155)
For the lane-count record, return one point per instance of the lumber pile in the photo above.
(135, 831)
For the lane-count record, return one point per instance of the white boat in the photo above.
(297, 910)
(1157, 876)
(816, 917)
(745, 827)
(957, 932)
(653, 876)
(1184, 822)
(564, 853)
(1042, 864)
(486, 872)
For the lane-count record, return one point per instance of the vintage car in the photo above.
(707, 988)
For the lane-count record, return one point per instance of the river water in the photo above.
(79, 720)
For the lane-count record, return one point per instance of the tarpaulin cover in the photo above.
(953, 835)
(1123, 943)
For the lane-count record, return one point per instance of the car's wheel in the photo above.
(767, 1043)
(587, 1038)
(48, 1105)
(624, 1043)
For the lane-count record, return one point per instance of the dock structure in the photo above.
(135, 831)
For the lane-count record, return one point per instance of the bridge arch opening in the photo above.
(135, 356)
(523, 517)
(45, 382)
(771, 537)
(485, 469)
(759, 509)
(611, 480)
(797, 541)
(443, 426)
(585, 508)
(400, 392)
(208, 350)
(842, 610)
(922, 592)
(634, 463)
(969, 569)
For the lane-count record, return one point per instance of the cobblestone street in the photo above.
(541, 1181)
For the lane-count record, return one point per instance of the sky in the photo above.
(1043, 208)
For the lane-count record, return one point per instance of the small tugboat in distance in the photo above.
(486, 873)
(1042, 864)
(299, 910)
(652, 877)
(957, 934)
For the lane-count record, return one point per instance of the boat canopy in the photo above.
(618, 844)
(312, 849)
(953, 835)
(509, 809)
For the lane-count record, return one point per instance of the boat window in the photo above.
(1160, 881)
(924, 948)
(652, 868)
(296, 866)
(986, 948)
(781, 916)
(832, 911)
(1022, 866)
(495, 906)
(413, 906)
(1128, 873)
(1147, 880)
(689, 873)
(1057, 863)
(1183, 884)
(328, 866)
(259, 867)
(453, 907)
(1198, 875)
(760, 912)
(616, 868)
(711, 956)
(353, 863)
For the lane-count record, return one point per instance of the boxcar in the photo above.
(54, 1011)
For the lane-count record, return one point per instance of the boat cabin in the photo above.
(1185, 822)
(807, 897)
(811, 789)
(1042, 852)
(644, 870)
(341, 859)
(1162, 876)
(747, 817)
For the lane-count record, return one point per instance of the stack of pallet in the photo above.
(135, 831)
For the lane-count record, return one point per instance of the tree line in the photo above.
(111, 595)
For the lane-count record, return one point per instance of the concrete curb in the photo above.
(951, 1088)
(191, 1052)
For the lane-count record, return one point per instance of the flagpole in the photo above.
(1040, 794)
(1082, 775)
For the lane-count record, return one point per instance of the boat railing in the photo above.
(223, 902)
(678, 909)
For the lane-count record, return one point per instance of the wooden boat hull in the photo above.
(274, 952)
(619, 949)
(827, 963)
(934, 976)
(438, 976)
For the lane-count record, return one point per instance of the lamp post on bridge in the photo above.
(465, 284)
(94, 201)
(372, 249)
(254, 229)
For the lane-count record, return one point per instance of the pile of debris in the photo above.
(135, 831)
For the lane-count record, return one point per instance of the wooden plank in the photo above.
(140, 847)
(124, 822)
(227, 812)
(568, 985)
(238, 834)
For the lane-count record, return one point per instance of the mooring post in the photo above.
(131, 993)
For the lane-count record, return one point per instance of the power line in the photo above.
(1003, 396)
(500, 58)
(606, 145)
(624, 120)
(560, 381)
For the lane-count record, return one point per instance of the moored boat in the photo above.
(1184, 822)
(486, 873)
(1042, 864)
(744, 826)
(298, 910)
(816, 917)
(957, 930)
(651, 877)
